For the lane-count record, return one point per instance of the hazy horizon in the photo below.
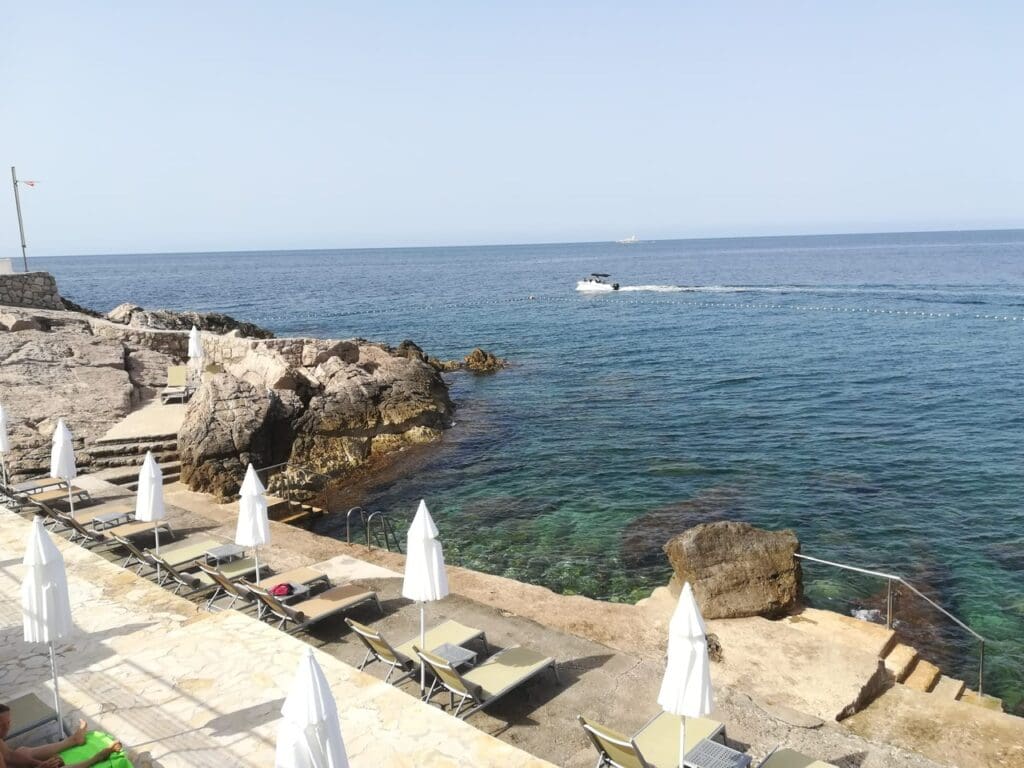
(250, 126)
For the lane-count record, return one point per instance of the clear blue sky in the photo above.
(250, 125)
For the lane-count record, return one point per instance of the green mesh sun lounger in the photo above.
(95, 741)
(308, 612)
(790, 758)
(36, 485)
(503, 672)
(59, 494)
(404, 655)
(177, 388)
(656, 744)
(29, 712)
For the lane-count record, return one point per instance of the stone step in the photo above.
(923, 676)
(900, 661)
(983, 700)
(111, 443)
(133, 460)
(949, 688)
(133, 449)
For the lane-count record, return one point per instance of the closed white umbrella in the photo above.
(686, 688)
(195, 354)
(253, 528)
(45, 607)
(309, 735)
(425, 576)
(62, 458)
(149, 499)
(5, 443)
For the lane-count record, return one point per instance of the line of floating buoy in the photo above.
(638, 302)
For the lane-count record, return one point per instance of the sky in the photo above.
(188, 126)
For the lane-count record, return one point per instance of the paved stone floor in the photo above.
(203, 691)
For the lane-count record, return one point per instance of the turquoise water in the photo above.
(865, 391)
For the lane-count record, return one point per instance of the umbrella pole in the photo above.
(3, 469)
(56, 690)
(682, 741)
(156, 538)
(257, 566)
(71, 499)
(423, 633)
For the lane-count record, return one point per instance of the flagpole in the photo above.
(21, 225)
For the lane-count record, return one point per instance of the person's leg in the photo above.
(46, 751)
(99, 757)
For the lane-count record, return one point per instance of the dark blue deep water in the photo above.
(865, 391)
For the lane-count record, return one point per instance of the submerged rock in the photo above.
(168, 320)
(477, 361)
(738, 570)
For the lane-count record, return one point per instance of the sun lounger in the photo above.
(656, 744)
(87, 515)
(178, 554)
(404, 655)
(308, 612)
(177, 389)
(29, 712)
(238, 588)
(36, 485)
(197, 581)
(86, 535)
(58, 494)
(503, 672)
(790, 758)
(307, 577)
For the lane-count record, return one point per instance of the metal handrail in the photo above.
(348, 522)
(385, 528)
(890, 578)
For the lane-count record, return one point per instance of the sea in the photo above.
(864, 391)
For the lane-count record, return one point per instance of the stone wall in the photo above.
(30, 289)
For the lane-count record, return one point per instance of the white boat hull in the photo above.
(592, 286)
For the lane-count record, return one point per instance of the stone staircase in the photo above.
(119, 459)
(909, 669)
(285, 511)
(902, 662)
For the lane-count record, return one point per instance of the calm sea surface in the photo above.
(865, 391)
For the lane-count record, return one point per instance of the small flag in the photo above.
(26, 181)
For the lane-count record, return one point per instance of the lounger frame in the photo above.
(456, 685)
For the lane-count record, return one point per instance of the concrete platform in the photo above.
(150, 421)
(149, 667)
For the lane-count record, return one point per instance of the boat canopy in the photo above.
(599, 274)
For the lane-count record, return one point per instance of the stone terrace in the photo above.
(615, 685)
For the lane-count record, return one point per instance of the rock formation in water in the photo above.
(168, 320)
(477, 361)
(738, 570)
(323, 405)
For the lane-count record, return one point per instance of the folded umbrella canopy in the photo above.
(195, 354)
(5, 445)
(686, 687)
(253, 528)
(62, 458)
(425, 576)
(309, 735)
(149, 499)
(45, 606)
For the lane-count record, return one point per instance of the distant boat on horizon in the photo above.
(631, 240)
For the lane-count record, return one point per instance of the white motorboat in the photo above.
(631, 240)
(596, 282)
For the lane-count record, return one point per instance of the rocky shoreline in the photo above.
(336, 408)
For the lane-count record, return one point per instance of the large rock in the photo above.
(168, 320)
(328, 406)
(738, 570)
(229, 424)
(64, 373)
